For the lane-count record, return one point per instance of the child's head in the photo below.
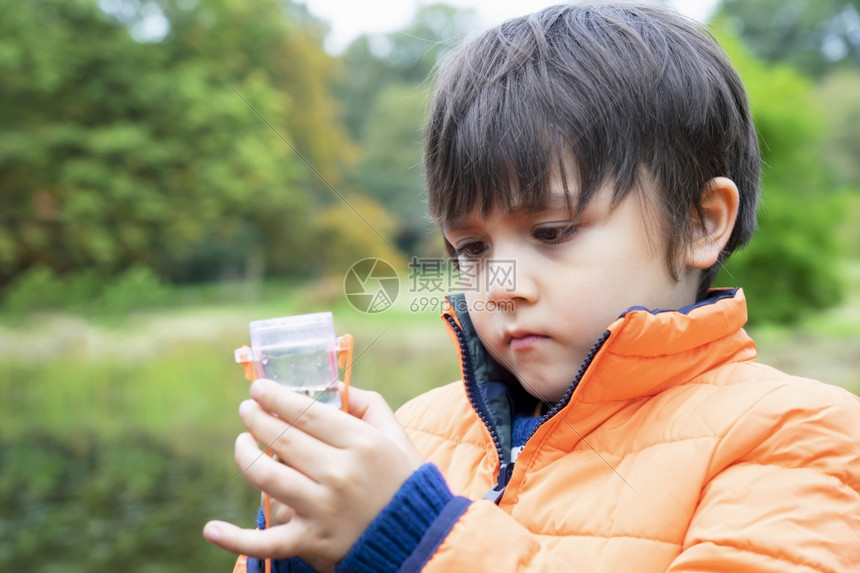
(595, 95)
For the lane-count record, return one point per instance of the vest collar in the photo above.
(642, 353)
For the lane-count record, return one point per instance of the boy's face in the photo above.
(565, 282)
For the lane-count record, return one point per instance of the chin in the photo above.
(545, 393)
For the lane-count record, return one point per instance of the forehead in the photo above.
(544, 182)
(556, 199)
(560, 200)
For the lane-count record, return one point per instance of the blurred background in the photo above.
(172, 169)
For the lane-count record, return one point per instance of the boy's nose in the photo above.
(509, 279)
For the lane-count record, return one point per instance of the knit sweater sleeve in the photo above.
(408, 530)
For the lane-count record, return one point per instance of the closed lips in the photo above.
(525, 340)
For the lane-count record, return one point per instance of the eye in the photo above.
(471, 250)
(554, 234)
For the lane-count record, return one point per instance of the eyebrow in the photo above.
(554, 203)
(465, 222)
(459, 224)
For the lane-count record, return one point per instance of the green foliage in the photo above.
(129, 503)
(813, 35)
(350, 232)
(787, 117)
(791, 266)
(405, 57)
(138, 287)
(87, 291)
(38, 288)
(115, 152)
(850, 232)
(384, 98)
(839, 95)
(392, 168)
(821, 39)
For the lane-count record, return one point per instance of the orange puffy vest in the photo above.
(676, 452)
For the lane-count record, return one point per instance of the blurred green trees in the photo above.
(839, 95)
(152, 141)
(201, 154)
(821, 40)
(814, 36)
(384, 97)
(794, 263)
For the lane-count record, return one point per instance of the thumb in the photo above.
(371, 407)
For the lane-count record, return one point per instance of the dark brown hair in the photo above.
(605, 93)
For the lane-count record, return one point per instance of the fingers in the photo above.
(280, 481)
(328, 424)
(285, 441)
(327, 461)
(370, 419)
(370, 407)
(279, 513)
(273, 543)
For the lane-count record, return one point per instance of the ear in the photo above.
(711, 232)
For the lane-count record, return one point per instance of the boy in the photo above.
(614, 417)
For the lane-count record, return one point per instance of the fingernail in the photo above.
(244, 407)
(212, 532)
(256, 389)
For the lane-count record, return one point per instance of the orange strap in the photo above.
(245, 357)
(344, 349)
(267, 502)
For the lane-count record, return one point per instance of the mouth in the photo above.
(522, 340)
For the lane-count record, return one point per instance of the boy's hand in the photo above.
(336, 471)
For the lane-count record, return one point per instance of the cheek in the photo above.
(594, 314)
(599, 295)
(475, 301)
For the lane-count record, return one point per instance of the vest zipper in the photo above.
(574, 385)
(505, 468)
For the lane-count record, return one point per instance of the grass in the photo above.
(824, 346)
(171, 374)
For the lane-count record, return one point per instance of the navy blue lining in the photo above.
(472, 387)
(436, 534)
(717, 295)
